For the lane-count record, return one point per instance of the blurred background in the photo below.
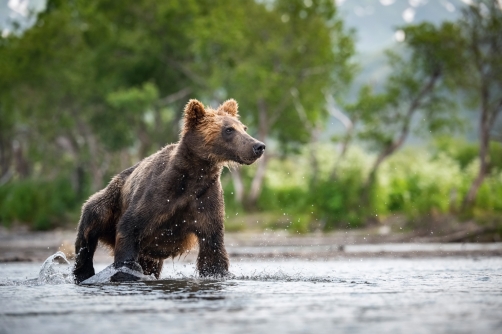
(376, 113)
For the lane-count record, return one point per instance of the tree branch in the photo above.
(496, 111)
(405, 129)
(186, 71)
(278, 111)
(175, 96)
(335, 112)
(300, 110)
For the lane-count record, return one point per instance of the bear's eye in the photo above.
(229, 130)
(246, 128)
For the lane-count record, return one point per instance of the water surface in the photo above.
(440, 295)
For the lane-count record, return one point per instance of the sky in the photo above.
(376, 21)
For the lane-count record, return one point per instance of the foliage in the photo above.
(481, 29)
(417, 97)
(416, 89)
(112, 74)
(263, 55)
(259, 53)
(95, 86)
(413, 182)
(41, 204)
(465, 153)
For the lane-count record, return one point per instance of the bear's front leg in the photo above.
(213, 257)
(127, 243)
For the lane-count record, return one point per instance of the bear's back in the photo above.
(147, 174)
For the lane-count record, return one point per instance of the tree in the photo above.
(481, 26)
(259, 53)
(94, 85)
(93, 78)
(415, 95)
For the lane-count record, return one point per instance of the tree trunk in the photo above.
(314, 162)
(349, 126)
(344, 146)
(124, 160)
(79, 181)
(370, 181)
(97, 173)
(396, 144)
(70, 144)
(238, 185)
(97, 169)
(144, 141)
(314, 130)
(20, 163)
(484, 149)
(257, 183)
(249, 200)
(387, 152)
(5, 159)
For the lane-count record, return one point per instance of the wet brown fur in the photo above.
(170, 201)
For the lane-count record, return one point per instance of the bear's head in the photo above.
(218, 135)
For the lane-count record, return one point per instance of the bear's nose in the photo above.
(259, 148)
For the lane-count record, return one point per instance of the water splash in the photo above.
(55, 270)
(265, 275)
(105, 275)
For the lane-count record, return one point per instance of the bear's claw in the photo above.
(127, 271)
(123, 277)
(133, 265)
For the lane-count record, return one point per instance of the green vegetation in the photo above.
(95, 86)
(414, 183)
(43, 204)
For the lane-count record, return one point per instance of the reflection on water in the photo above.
(377, 295)
(189, 289)
(162, 289)
(187, 286)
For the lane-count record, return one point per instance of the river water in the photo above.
(377, 295)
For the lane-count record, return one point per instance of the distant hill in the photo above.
(376, 20)
(375, 23)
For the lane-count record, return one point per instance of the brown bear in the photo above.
(168, 202)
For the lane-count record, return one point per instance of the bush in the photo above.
(40, 204)
(327, 200)
(413, 182)
(465, 153)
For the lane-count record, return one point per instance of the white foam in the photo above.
(55, 270)
(105, 275)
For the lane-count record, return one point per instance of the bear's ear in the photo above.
(194, 112)
(230, 107)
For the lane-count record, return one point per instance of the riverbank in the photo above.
(21, 245)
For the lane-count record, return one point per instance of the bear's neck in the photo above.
(189, 159)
